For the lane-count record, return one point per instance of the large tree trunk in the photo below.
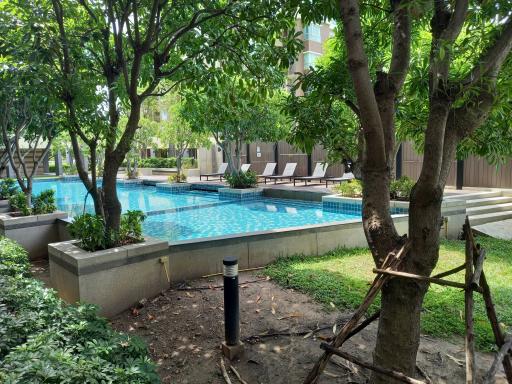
(399, 326)
(111, 204)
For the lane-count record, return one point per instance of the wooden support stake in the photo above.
(502, 353)
(420, 278)
(388, 372)
(391, 261)
(468, 312)
(450, 272)
(495, 325)
(479, 266)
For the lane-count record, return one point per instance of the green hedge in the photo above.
(44, 340)
(165, 162)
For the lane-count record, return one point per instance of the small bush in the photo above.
(401, 189)
(91, 231)
(43, 340)
(177, 179)
(44, 202)
(8, 188)
(18, 203)
(158, 162)
(353, 188)
(131, 227)
(242, 180)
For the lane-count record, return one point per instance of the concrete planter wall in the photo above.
(32, 232)
(240, 194)
(4, 206)
(114, 279)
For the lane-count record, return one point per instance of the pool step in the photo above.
(480, 210)
(489, 217)
(495, 200)
(474, 195)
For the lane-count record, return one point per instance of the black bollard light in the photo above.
(232, 346)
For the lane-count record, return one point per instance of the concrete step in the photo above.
(489, 217)
(488, 201)
(474, 195)
(480, 210)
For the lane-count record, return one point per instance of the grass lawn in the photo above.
(342, 278)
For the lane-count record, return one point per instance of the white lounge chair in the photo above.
(318, 174)
(220, 172)
(288, 173)
(245, 167)
(269, 170)
(348, 176)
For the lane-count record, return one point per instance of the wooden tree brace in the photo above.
(500, 356)
(388, 372)
(479, 267)
(432, 280)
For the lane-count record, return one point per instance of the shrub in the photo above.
(177, 179)
(158, 162)
(242, 180)
(353, 188)
(43, 340)
(18, 203)
(130, 229)
(91, 231)
(188, 162)
(8, 187)
(401, 189)
(44, 202)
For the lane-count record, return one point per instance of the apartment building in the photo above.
(314, 37)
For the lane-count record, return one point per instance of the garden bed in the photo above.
(43, 340)
(185, 330)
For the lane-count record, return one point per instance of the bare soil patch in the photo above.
(184, 330)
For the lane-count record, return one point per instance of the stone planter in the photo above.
(4, 206)
(114, 279)
(33, 233)
(240, 194)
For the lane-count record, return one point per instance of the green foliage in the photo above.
(242, 180)
(352, 188)
(43, 340)
(93, 235)
(8, 188)
(44, 202)
(130, 229)
(401, 189)
(177, 178)
(157, 162)
(342, 277)
(91, 232)
(18, 203)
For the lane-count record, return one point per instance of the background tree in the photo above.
(458, 102)
(234, 112)
(135, 45)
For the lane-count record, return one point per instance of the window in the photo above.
(310, 59)
(312, 33)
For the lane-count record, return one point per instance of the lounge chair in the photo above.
(245, 167)
(318, 174)
(346, 177)
(220, 172)
(269, 170)
(288, 172)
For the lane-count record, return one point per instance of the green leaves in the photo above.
(43, 340)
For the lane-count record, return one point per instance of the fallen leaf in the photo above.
(189, 294)
(334, 328)
(258, 299)
(332, 304)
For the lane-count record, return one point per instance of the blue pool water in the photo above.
(193, 215)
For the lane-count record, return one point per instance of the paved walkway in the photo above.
(499, 229)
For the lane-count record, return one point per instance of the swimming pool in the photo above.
(194, 214)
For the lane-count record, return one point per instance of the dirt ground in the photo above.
(184, 330)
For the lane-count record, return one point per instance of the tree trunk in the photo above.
(399, 325)
(111, 204)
